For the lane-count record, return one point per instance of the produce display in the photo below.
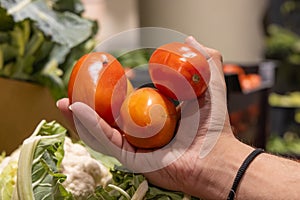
(282, 44)
(247, 82)
(147, 116)
(288, 100)
(41, 40)
(49, 165)
(288, 145)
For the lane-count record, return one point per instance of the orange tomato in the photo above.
(179, 71)
(247, 81)
(250, 81)
(233, 69)
(255, 79)
(99, 80)
(147, 118)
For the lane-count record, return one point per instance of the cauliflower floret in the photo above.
(83, 172)
(4, 161)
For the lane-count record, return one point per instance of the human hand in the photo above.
(179, 165)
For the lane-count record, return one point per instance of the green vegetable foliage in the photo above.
(41, 155)
(36, 173)
(129, 182)
(40, 40)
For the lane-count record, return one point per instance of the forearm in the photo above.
(270, 177)
(267, 177)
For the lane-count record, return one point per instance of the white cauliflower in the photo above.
(6, 160)
(83, 172)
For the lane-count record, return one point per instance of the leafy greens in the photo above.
(40, 40)
(34, 172)
(41, 155)
(126, 181)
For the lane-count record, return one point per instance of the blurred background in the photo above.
(259, 41)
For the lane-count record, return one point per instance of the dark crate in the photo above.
(249, 110)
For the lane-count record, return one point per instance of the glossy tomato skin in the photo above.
(148, 118)
(179, 71)
(99, 80)
(74, 75)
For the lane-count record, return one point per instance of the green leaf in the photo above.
(103, 194)
(49, 35)
(7, 22)
(65, 28)
(42, 54)
(22, 67)
(7, 69)
(281, 43)
(134, 58)
(51, 73)
(59, 53)
(50, 76)
(9, 51)
(108, 161)
(129, 182)
(1, 60)
(156, 193)
(18, 41)
(36, 40)
(26, 28)
(4, 37)
(74, 6)
(41, 155)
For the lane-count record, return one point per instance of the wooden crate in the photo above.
(22, 106)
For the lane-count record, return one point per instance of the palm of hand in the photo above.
(201, 125)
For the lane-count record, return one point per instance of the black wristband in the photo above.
(242, 171)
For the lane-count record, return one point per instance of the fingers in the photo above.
(88, 118)
(207, 52)
(87, 138)
(63, 106)
(96, 133)
(212, 126)
(95, 124)
(192, 42)
(214, 58)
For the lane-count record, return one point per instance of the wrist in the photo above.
(219, 168)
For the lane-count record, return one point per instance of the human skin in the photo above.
(211, 176)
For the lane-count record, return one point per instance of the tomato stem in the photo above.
(196, 78)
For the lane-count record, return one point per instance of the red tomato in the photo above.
(179, 71)
(99, 80)
(147, 118)
(74, 74)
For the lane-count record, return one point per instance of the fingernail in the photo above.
(57, 103)
(191, 37)
(70, 107)
(193, 42)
